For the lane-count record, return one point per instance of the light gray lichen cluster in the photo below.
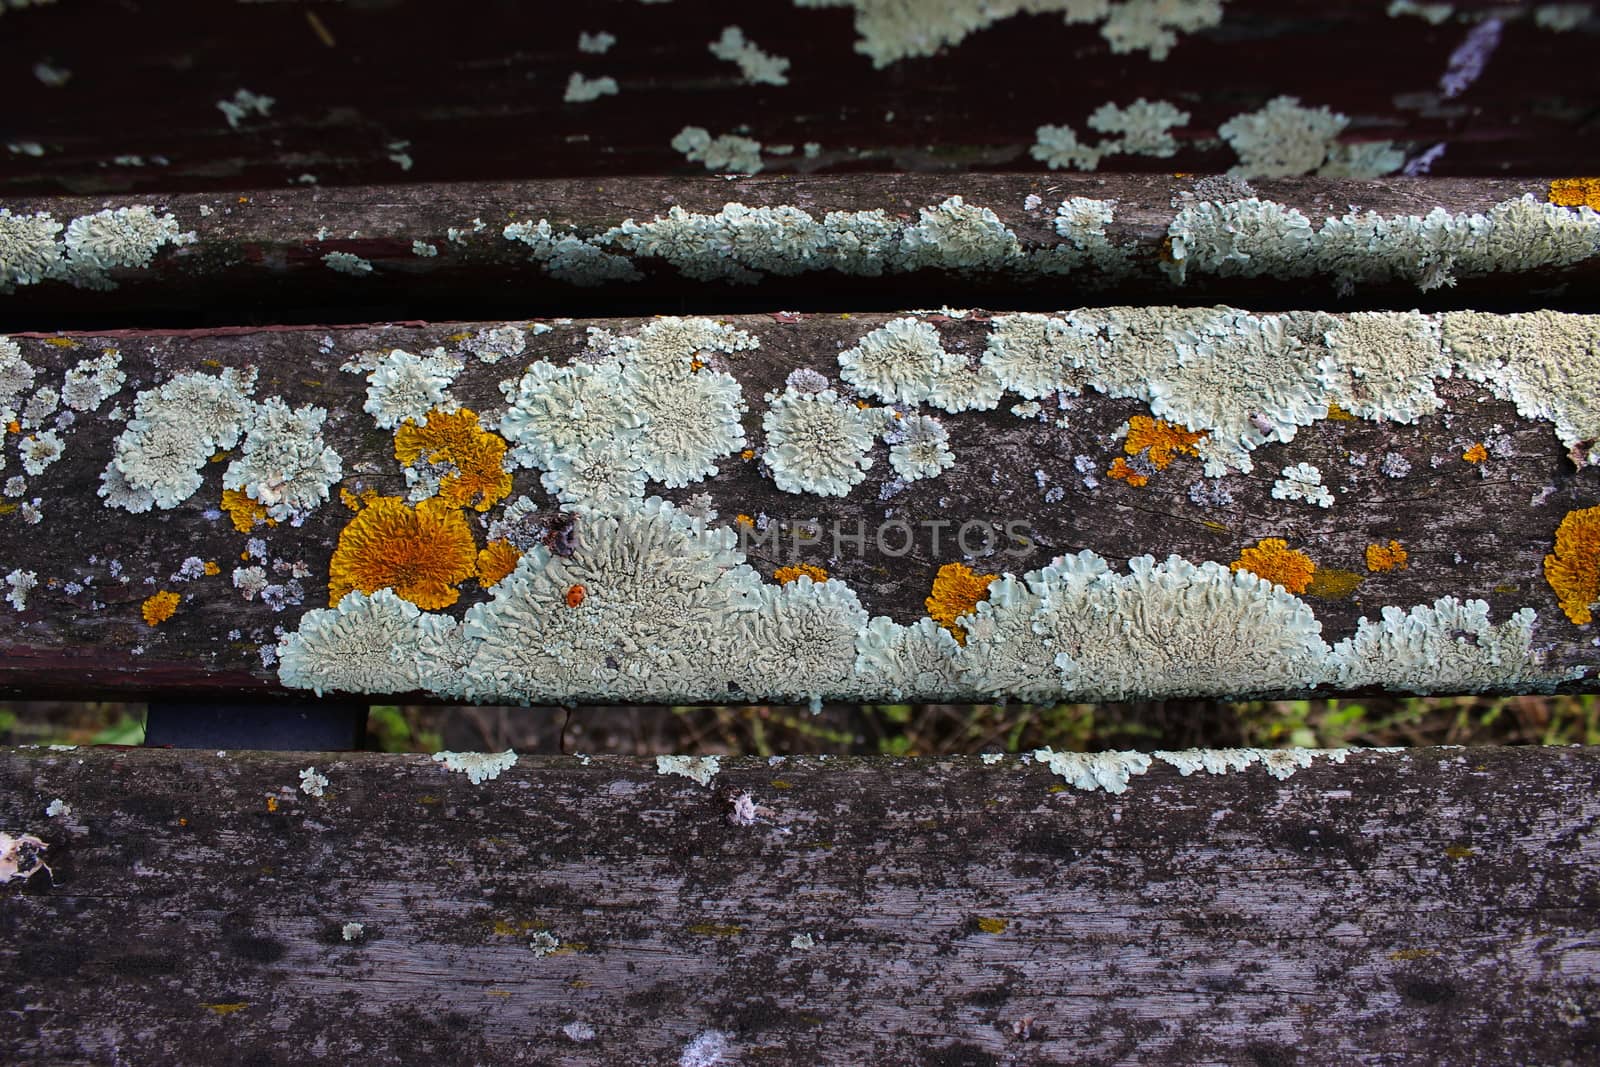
(405, 387)
(93, 246)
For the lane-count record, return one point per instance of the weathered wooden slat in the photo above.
(261, 256)
(1474, 494)
(113, 98)
(1426, 906)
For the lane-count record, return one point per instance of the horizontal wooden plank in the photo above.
(111, 98)
(1434, 905)
(1478, 500)
(400, 252)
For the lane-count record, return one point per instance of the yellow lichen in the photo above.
(478, 456)
(498, 559)
(748, 453)
(785, 575)
(992, 926)
(1573, 570)
(1576, 192)
(956, 591)
(1386, 558)
(421, 553)
(1339, 414)
(244, 512)
(1330, 583)
(744, 520)
(211, 568)
(1272, 558)
(1164, 439)
(349, 499)
(1476, 454)
(159, 608)
(1121, 470)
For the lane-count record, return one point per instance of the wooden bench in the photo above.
(289, 446)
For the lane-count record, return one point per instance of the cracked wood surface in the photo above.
(1427, 906)
(1471, 530)
(377, 93)
(258, 254)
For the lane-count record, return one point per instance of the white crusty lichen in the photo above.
(581, 90)
(16, 377)
(1260, 238)
(571, 258)
(363, 645)
(352, 931)
(916, 662)
(901, 361)
(758, 67)
(1449, 647)
(692, 420)
(1058, 148)
(1545, 362)
(284, 463)
(1145, 127)
(176, 428)
(313, 782)
(494, 343)
(40, 450)
(556, 411)
(347, 263)
(405, 386)
(919, 447)
(125, 237)
(93, 381)
(698, 769)
(799, 642)
(597, 44)
(1302, 482)
(1090, 771)
(1387, 363)
(1077, 631)
(729, 152)
(29, 250)
(479, 767)
(596, 478)
(1281, 763)
(817, 443)
(1037, 356)
(892, 30)
(242, 104)
(1284, 139)
(21, 582)
(955, 235)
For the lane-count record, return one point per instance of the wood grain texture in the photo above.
(483, 97)
(258, 254)
(1471, 530)
(1428, 906)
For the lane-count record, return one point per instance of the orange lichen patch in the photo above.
(159, 608)
(785, 575)
(1164, 440)
(212, 570)
(421, 553)
(1476, 454)
(956, 591)
(1386, 558)
(13, 426)
(454, 437)
(244, 511)
(61, 342)
(227, 1009)
(349, 499)
(1576, 192)
(272, 804)
(1573, 570)
(1121, 470)
(1330, 583)
(498, 559)
(744, 520)
(748, 453)
(696, 365)
(575, 596)
(1272, 558)
(1339, 414)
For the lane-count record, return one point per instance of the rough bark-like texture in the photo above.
(258, 255)
(1471, 530)
(399, 90)
(1432, 906)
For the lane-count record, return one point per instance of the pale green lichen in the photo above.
(1284, 139)
(581, 90)
(479, 767)
(919, 447)
(729, 152)
(361, 646)
(1302, 482)
(1058, 148)
(93, 381)
(698, 769)
(570, 258)
(901, 361)
(555, 411)
(347, 263)
(1090, 771)
(175, 429)
(908, 661)
(817, 443)
(757, 67)
(799, 641)
(1387, 363)
(596, 478)
(284, 463)
(406, 387)
(1036, 356)
(1449, 647)
(1145, 127)
(1281, 763)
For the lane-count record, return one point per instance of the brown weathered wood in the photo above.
(1429, 906)
(258, 254)
(1472, 531)
(483, 99)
